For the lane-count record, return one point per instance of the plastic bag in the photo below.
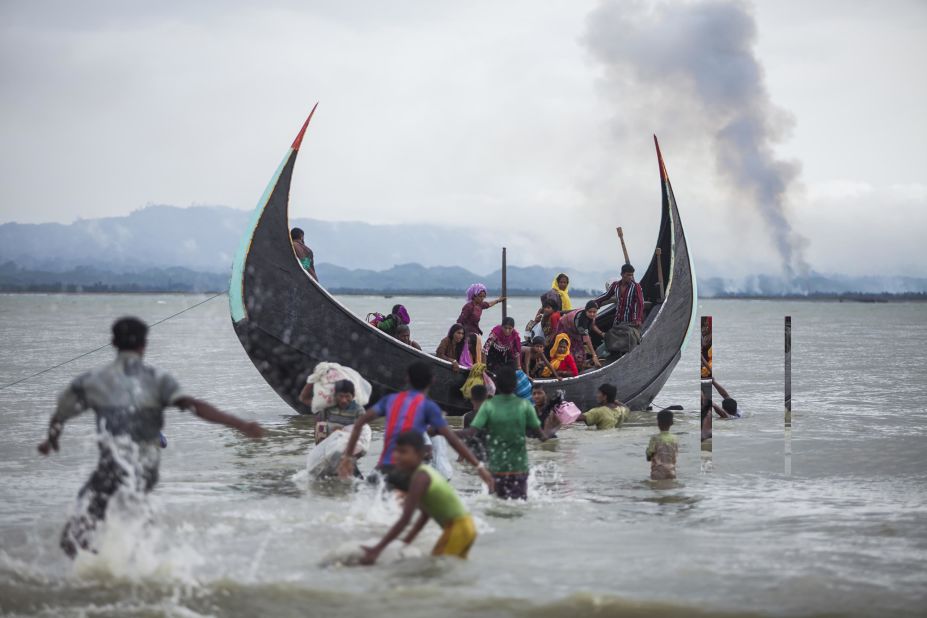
(323, 459)
(567, 412)
(440, 459)
(489, 384)
(323, 380)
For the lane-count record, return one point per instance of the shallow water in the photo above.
(239, 530)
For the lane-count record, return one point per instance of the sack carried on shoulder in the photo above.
(622, 338)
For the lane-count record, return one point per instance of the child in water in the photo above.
(662, 450)
(431, 494)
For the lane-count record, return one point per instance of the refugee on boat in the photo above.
(303, 252)
(409, 409)
(451, 347)
(404, 334)
(535, 362)
(608, 414)
(625, 333)
(546, 322)
(391, 323)
(506, 419)
(431, 495)
(128, 398)
(561, 287)
(576, 325)
(503, 347)
(662, 449)
(471, 313)
(561, 360)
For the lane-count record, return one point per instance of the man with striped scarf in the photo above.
(625, 333)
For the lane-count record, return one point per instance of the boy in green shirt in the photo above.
(609, 413)
(430, 493)
(662, 450)
(506, 419)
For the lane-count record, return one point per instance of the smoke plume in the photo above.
(692, 66)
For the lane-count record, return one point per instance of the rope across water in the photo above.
(106, 345)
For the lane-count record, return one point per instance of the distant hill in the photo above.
(165, 248)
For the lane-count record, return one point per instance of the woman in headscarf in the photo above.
(472, 312)
(561, 286)
(390, 324)
(452, 346)
(560, 359)
(503, 347)
(576, 325)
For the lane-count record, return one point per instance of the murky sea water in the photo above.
(239, 530)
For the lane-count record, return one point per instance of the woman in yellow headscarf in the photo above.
(561, 359)
(561, 285)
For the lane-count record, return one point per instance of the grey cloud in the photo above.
(695, 66)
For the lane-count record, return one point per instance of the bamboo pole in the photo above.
(788, 395)
(707, 411)
(624, 249)
(505, 291)
(659, 257)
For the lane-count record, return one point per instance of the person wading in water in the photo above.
(128, 398)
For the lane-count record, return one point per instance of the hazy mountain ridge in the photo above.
(165, 248)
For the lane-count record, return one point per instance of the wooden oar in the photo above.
(624, 249)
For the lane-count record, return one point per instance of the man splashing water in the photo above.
(128, 398)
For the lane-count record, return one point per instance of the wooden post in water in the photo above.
(505, 302)
(788, 395)
(659, 257)
(706, 390)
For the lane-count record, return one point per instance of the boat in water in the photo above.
(287, 322)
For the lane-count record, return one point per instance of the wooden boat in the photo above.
(287, 322)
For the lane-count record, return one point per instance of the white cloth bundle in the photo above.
(323, 379)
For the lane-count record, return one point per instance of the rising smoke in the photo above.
(694, 66)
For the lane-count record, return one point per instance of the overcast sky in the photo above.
(531, 120)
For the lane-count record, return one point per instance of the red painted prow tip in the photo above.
(656, 143)
(299, 136)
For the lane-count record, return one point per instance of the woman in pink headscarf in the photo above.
(472, 312)
(503, 347)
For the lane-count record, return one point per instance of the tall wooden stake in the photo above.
(788, 396)
(706, 384)
(505, 291)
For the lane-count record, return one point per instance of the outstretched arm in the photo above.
(346, 467)
(720, 410)
(417, 489)
(721, 390)
(71, 402)
(209, 412)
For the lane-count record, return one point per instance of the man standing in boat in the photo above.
(625, 333)
(303, 252)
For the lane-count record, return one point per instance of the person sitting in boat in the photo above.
(471, 313)
(561, 287)
(546, 322)
(625, 333)
(576, 325)
(404, 334)
(390, 324)
(562, 362)
(609, 413)
(341, 415)
(303, 252)
(503, 347)
(452, 347)
(534, 361)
